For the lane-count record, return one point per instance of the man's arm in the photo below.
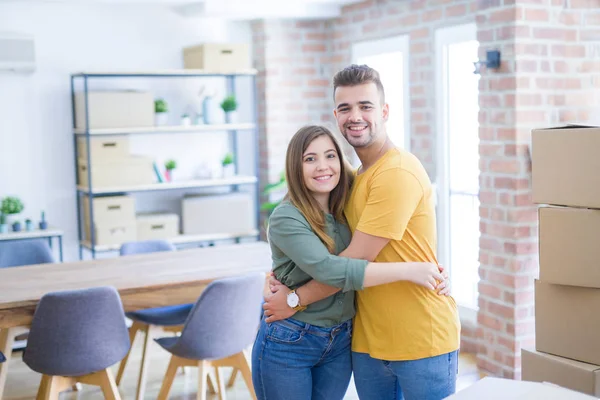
(363, 246)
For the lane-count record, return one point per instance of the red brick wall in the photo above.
(550, 75)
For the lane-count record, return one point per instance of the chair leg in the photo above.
(232, 377)
(220, 383)
(169, 378)
(132, 332)
(243, 364)
(203, 367)
(51, 386)
(144, 363)
(105, 380)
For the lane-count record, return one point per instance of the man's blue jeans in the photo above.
(432, 378)
(294, 360)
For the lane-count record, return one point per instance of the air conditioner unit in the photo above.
(17, 52)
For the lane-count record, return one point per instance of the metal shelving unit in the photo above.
(231, 128)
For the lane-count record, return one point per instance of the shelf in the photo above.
(200, 183)
(169, 129)
(181, 239)
(35, 234)
(164, 73)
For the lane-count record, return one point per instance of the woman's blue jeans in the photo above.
(295, 360)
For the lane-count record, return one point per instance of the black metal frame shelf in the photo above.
(231, 128)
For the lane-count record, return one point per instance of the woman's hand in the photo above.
(443, 288)
(275, 306)
(425, 274)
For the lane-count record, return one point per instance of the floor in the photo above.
(22, 383)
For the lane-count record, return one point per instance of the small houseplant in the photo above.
(161, 110)
(186, 120)
(28, 225)
(3, 224)
(228, 167)
(229, 105)
(12, 206)
(170, 165)
(277, 187)
(43, 223)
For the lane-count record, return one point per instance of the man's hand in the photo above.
(443, 288)
(275, 306)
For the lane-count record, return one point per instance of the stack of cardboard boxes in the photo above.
(566, 182)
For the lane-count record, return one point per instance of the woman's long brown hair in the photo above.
(299, 195)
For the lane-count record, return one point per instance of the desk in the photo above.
(36, 234)
(143, 281)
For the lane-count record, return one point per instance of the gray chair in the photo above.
(220, 327)
(169, 318)
(75, 337)
(25, 252)
(2, 358)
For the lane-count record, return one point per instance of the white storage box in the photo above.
(126, 171)
(217, 57)
(110, 210)
(104, 148)
(115, 109)
(115, 234)
(157, 226)
(218, 214)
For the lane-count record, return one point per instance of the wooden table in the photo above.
(49, 234)
(143, 281)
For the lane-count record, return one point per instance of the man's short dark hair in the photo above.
(354, 75)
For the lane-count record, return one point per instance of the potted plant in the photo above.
(43, 224)
(170, 165)
(229, 105)
(3, 224)
(186, 120)
(277, 187)
(160, 112)
(28, 225)
(228, 167)
(12, 206)
(16, 225)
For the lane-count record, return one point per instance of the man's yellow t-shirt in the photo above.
(402, 320)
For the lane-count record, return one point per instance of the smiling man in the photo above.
(406, 338)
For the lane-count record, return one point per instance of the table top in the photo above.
(24, 286)
(37, 233)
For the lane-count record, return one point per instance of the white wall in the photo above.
(36, 141)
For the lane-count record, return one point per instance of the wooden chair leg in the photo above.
(220, 384)
(169, 378)
(7, 337)
(203, 367)
(108, 385)
(141, 388)
(135, 327)
(232, 377)
(243, 364)
(51, 386)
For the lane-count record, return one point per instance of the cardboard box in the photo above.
(114, 234)
(157, 226)
(569, 247)
(502, 389)
(217, 57)
(126, 171)
(104, 148)
(115, 109)
(565, 166)
(567, 321)
(231, 214)
(110, 210)
(541, 367)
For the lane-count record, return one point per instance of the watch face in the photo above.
(292, 300)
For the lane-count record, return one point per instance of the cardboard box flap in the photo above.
(575, 375)
(500, 389)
